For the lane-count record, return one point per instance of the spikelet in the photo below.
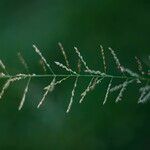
(103, 57)
(58, 82)
(145, 88)
(49, 89)
(72, 95)
(22, 60)
(108, 90)
(42, 57)
(130, 72)
(64, 54)
(139, 65)
(2, 74)
(24, 94)
(81, 58)
(41, 62)
(3, 66)
(90, 87)
(116, 59)
(145, 98)
(95, 72)
(7, 84)
(83, 95)
(65, 67)
(117, 87)
(144, 93)
(79, 66)
(119, 98)
(96, 82)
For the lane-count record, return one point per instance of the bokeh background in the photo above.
(123, 25)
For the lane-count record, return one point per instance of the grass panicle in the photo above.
(95, 77)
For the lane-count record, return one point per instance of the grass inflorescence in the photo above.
(96, 77)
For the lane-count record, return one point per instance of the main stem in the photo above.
(72, 75)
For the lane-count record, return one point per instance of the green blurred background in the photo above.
(123, 25)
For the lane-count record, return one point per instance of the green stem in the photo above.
(72, 75)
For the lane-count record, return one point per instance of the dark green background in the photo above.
(123, 25)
